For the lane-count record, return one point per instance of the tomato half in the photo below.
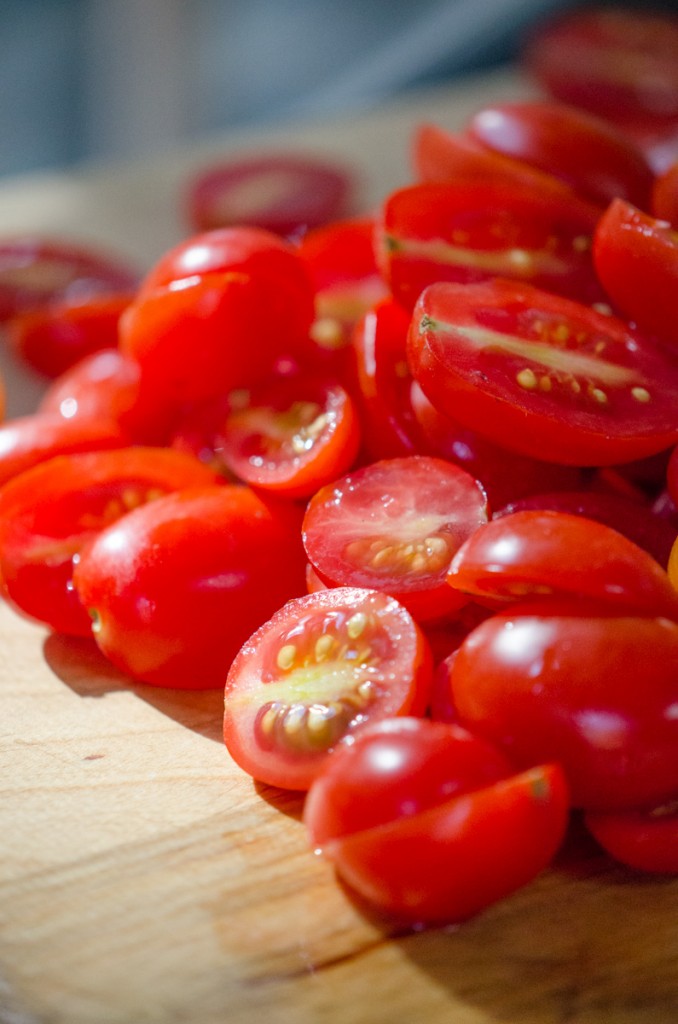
(51, 512)
(175, 587)
(472, 231)
(394, 526)
(542, 375)
(412, 815)
(316, 673)
(643, 839)
(27, 440)
(574, 683)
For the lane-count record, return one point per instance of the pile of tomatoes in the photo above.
(404, 484)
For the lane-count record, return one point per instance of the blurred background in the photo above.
(84, 80)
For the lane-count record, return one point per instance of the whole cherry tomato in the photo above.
(643, 839)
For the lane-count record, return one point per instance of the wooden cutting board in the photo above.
(144, 879)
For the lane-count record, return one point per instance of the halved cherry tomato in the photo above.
(542, 375)
(413, 812)
(575, 683)
(538, 552)
(473, 231)
(314, 675)
(636, 258)
(279, 192)
(27, 440)
(49, 513)
(394, 526)
(289, 436)
(36, 271)
(592, 156)
(643, 839)
(55, 337)
(175, 587)
(217, 311)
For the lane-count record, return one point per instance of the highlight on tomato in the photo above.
(314, 675)
(545, 376)
(394, 526)
(175, 587)
(412, 814)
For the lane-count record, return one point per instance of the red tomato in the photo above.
(49, 513)
(664, 205)
(413, 812)
(541, 552)
(27, 440)
(394, 526)
(314, 675)
(109, 384)
(439, 155)
(36, 271)
(592, 156)
(621, 63)
(175, 587)
(217, 311)
(290, 436)
(473, 231)
(542, 375)
(645, 839)
(580, 685)
(279, 192)
(55, 337)
(636, 257)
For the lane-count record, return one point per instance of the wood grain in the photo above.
(145, 880)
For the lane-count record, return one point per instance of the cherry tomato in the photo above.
(636, 258)
(110, 384)
(542, 375)
(278, 192)
(290, 436)
(217, 311)
(538, 552)
(620, 63)
(664, 205)
(55, 337)
(394, 526)
(643, 839)
(316, 673)
(413, 812)
(578, 684)
(175, 587)
(27, 440)
(473, 231)
(36, 271)
(49, 513)
(592, 156)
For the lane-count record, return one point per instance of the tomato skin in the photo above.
(51, 512)
(646, 840)
(467, 231)
(560, 681)
(306, 663)
(587, 152)
(441, 866)
(27, 440)
(216, 313)
(542, 375)
(541, 552)
(664, 205)
(176, 586)
(393, 526)
(636, 258)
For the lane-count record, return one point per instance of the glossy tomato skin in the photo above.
(468, 231)
(560, 681)
(176, 587)
(52, 511)
(646, 840)
(636, 258)
(27, 440)
(595, 158)
(393, 526)
(412, 815)
(542, 552)
(217, 312)
(313, 677)
(542, 375)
